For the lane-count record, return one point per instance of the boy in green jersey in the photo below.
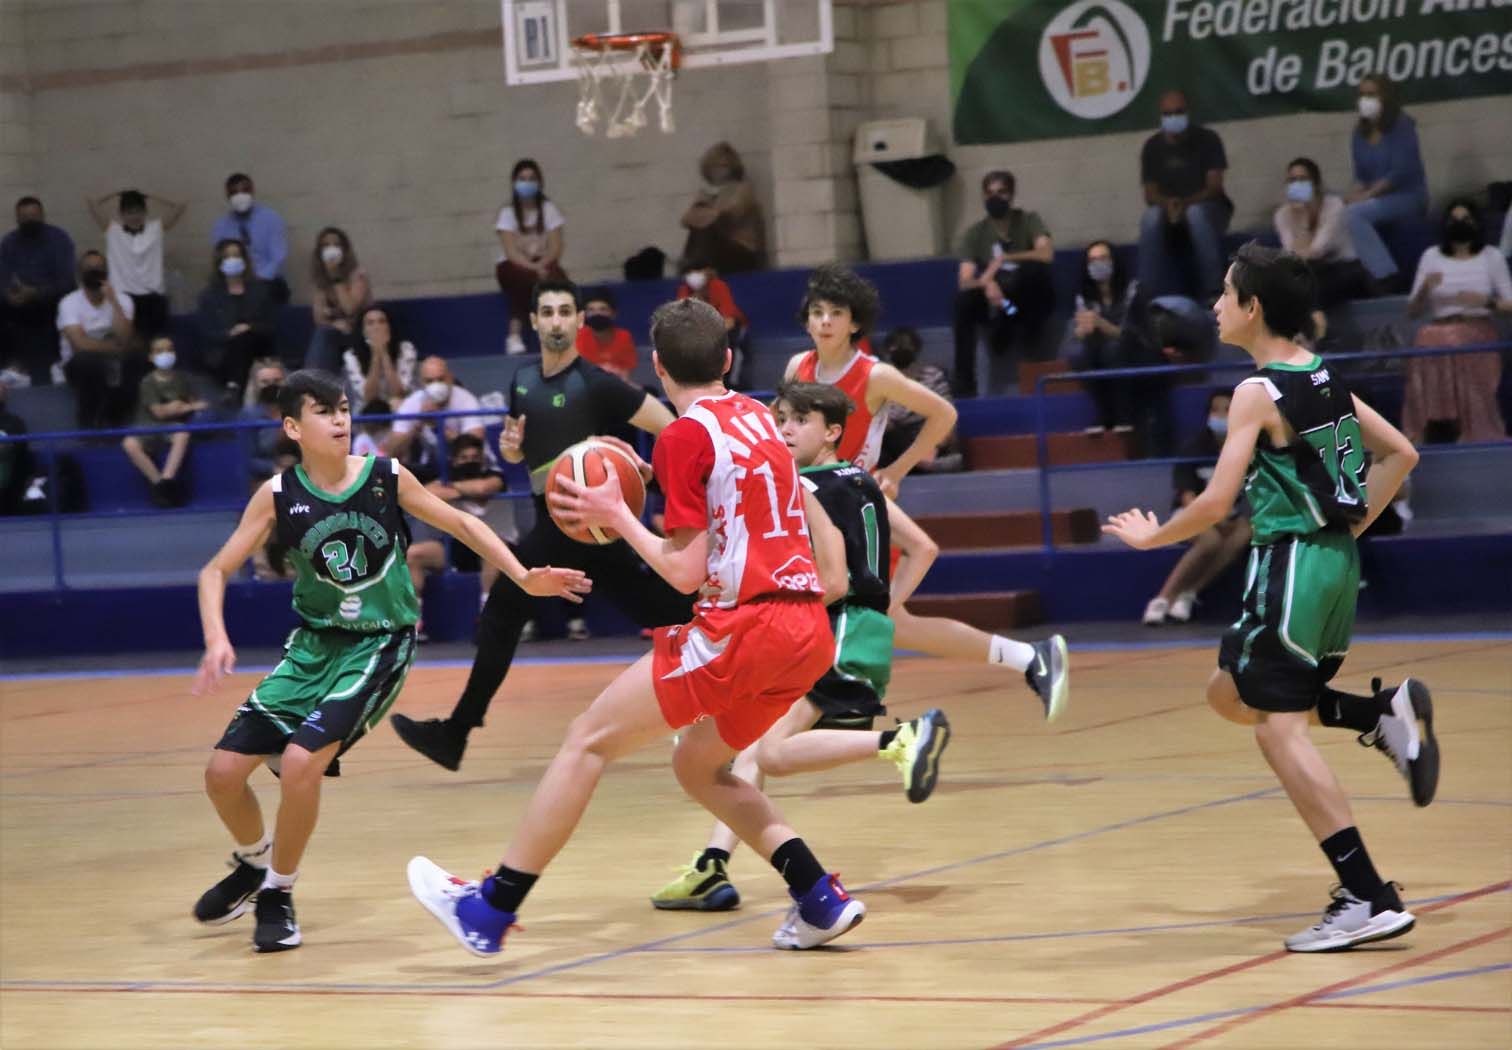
(1297, 442)
(340, 516)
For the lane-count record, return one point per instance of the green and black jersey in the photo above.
(348, 548)
(1318, 481)
(856, 505)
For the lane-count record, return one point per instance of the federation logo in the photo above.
(1094, 57)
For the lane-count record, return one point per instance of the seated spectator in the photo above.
(36, 272)
(600, 340)
(134, 252)
(901, 349)
(1389, 183)
(272, 452)
(724, 222)
(1186, 209)
(341, 293)
(700, 281)
(261, 230)
(15, 457)
(1096, 342)
(1003, 280)
(376, 366)
(371, 433)
(236, 316)
(471, 484)
(163, 397)
(1459, 282)
(531, 231)
(97, 345)
(1212, 551)
(1312, 224)
(1506, 235)
(438, 392)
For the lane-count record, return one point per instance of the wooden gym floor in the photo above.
(1123, 880)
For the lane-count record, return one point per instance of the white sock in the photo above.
(259, 853)
(273, 880)
(1006, 651)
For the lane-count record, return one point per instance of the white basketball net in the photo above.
(598, 74)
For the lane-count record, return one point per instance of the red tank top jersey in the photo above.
(724, 467)
(861, 441)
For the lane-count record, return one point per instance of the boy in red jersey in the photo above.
(737, 532)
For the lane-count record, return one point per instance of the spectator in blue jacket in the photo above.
(1389, 183)
(36, 272)
(260, 229)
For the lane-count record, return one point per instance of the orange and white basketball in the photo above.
(588, 463)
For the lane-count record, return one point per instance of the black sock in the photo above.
(1349, 710)
(797, 866)
(1346, 852)
(710, 855)
(508, 888)
(887, 738)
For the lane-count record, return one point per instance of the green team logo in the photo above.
(1094, 57)
(558, 400)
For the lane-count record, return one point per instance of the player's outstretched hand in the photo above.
(1134, 527)
(583, 506)
(629, 450)
(547, 582)
(219, 660)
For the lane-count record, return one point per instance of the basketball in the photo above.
(588, 463)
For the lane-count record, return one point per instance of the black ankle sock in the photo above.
(710, 855)
(797, 866)
(887, 738)
(1349, 710)
(1346, 852)
(508, 889)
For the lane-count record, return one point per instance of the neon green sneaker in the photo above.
(699, 889)
(916, 751)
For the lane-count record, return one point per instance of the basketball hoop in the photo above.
(656, 57)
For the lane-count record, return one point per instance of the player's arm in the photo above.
(653, 417)
(792, 367)
(681, 557)
(1393, 455)
(251, 533)
(1249, 412)
(829, 550)
(888, 384)
(416, 499)
(918, 553)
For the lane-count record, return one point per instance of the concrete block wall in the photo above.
(17, 170)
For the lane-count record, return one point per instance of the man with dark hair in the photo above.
(261, 231)
(36, 272)
(1186, 210)
(1003, 280)
(603, 342)
(134, 250)
(97, 345)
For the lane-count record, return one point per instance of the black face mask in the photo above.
(997, 207)
(268, 395)
(469, 471)
(30, 228)
(599, 322)
(94, 279)
(1461, 231)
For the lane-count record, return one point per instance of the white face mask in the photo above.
(438, 390)
(696, 280)
(331, 254)
(164, 360)
(241, 202)
(1370, 107)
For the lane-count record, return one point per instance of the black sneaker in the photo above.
(277, 930)
(1049, 675)
(231, 896)
(435, 738)
(1405, 735)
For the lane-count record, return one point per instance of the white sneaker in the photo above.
(1349, 921)
(514, 345)
(1181, 608)
(1406, 737)
(577, 630)
(1155, 612)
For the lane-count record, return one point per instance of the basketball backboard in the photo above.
(538, 33)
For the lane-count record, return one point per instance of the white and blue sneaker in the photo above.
(820, 915)
(460, 906)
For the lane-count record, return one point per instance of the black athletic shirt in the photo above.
(859, 510)
(560, 410)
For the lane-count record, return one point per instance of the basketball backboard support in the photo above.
(538, 33)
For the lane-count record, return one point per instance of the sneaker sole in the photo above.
(420, 872)
(1060, 684)
(721, 898)
(1424, 771)
(1393, 924)
(925, 771)
(849, 919)
(288, 943)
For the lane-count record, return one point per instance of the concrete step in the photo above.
(1029, 373)
(991, 611)
(983, 531)
(1010, 451)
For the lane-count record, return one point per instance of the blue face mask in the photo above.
(1218, 425)
(233, 266)
(1173, 123)
(527, 188)
(1299, 191)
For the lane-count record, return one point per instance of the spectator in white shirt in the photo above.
(530, 229)
(1313, 223)
(438, 392)
(97, 346)
(134, 252)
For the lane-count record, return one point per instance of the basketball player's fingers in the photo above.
(566, 486)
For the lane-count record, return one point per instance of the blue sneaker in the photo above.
(459, 906)
(820, 915)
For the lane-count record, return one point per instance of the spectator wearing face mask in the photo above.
(163, 397)
(1389, 182)
(261, 230)
(271, 451)
(341, 293)
(700, 281)
(134, 252)
(235, 317)
(1313, 224)
(96, 345)
(1003, 281)
(531, 240)
(371, 433)
(902, 348)
(1186, 208)
(724, 223)
(378, 366)
(1095, 341)
(36, 272)
(438, 392)
(602, 342)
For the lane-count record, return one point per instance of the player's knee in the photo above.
(1275, 732)
(222, 778)
(301, 768)
(771, 759)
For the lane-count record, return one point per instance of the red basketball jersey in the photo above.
(724, 467)
(861, 441)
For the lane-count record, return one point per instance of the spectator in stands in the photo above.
(134, 252)
(340, 293)
(164, 397)
(1186, 208)
(700, 280)
(235, 317)
(438, 392)
(1506, 235)
(472, 483)
(15, 457)
(602, 342)
(371, 434)
(1003, 280)
(902, 349)
(1312, 224)
(376, 366)
(261, 230)
(1096, 341)
(36, 272)
(1459, 283)
(101, 357)
(271, 452)
(1212, 551)
(1389, 182)
(531, 230)
(724, 223)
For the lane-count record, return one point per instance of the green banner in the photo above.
(1043, 69)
